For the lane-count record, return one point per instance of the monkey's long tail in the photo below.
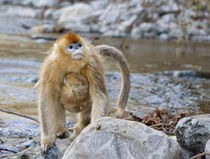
(122, 62)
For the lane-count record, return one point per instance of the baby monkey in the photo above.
(72, 78)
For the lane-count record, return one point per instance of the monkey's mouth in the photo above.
(77, 55)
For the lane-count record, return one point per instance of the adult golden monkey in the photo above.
(72, 78)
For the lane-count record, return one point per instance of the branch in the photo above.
(18, 114)
(199, 155)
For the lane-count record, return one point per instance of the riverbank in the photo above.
(160, 20)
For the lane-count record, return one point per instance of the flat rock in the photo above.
(116, 138)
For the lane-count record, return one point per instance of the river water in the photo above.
(164, 74)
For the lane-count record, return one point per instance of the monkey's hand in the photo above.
(76, 132)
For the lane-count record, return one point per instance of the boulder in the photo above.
(193, 132)
(116, 138)
(146, 27)
(75, 13)
(126, 25)
(207, 149)
(136, 32)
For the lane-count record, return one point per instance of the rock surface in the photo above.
(55, 152)
(115, 138)
(207, 149)
(193, 132)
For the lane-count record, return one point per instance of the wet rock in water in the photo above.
(116, 138)
(207, 149)
(193, 132)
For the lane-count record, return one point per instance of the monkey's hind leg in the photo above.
(83, 120)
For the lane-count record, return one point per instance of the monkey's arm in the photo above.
(125, 84)
(97, 90)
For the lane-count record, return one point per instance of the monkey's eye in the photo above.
(70, 47)
(79, 45)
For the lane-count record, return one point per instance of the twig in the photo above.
(156, 125)
(18, 114)
(199, 155)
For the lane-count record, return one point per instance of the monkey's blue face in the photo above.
(76, 50)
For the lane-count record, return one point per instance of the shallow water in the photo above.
(159, 74)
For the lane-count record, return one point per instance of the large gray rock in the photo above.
(193, 132)
(116, 138)
(207, 149)
(75, 13)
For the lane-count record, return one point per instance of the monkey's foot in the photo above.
(120, 113)
(46, 144)
(76, 132)
(74, 135)
(62, 134)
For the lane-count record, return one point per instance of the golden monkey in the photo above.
(72, 78)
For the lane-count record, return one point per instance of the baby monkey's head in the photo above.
(71, 44)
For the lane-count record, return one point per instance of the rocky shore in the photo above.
(161, 20)
(117, 138)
